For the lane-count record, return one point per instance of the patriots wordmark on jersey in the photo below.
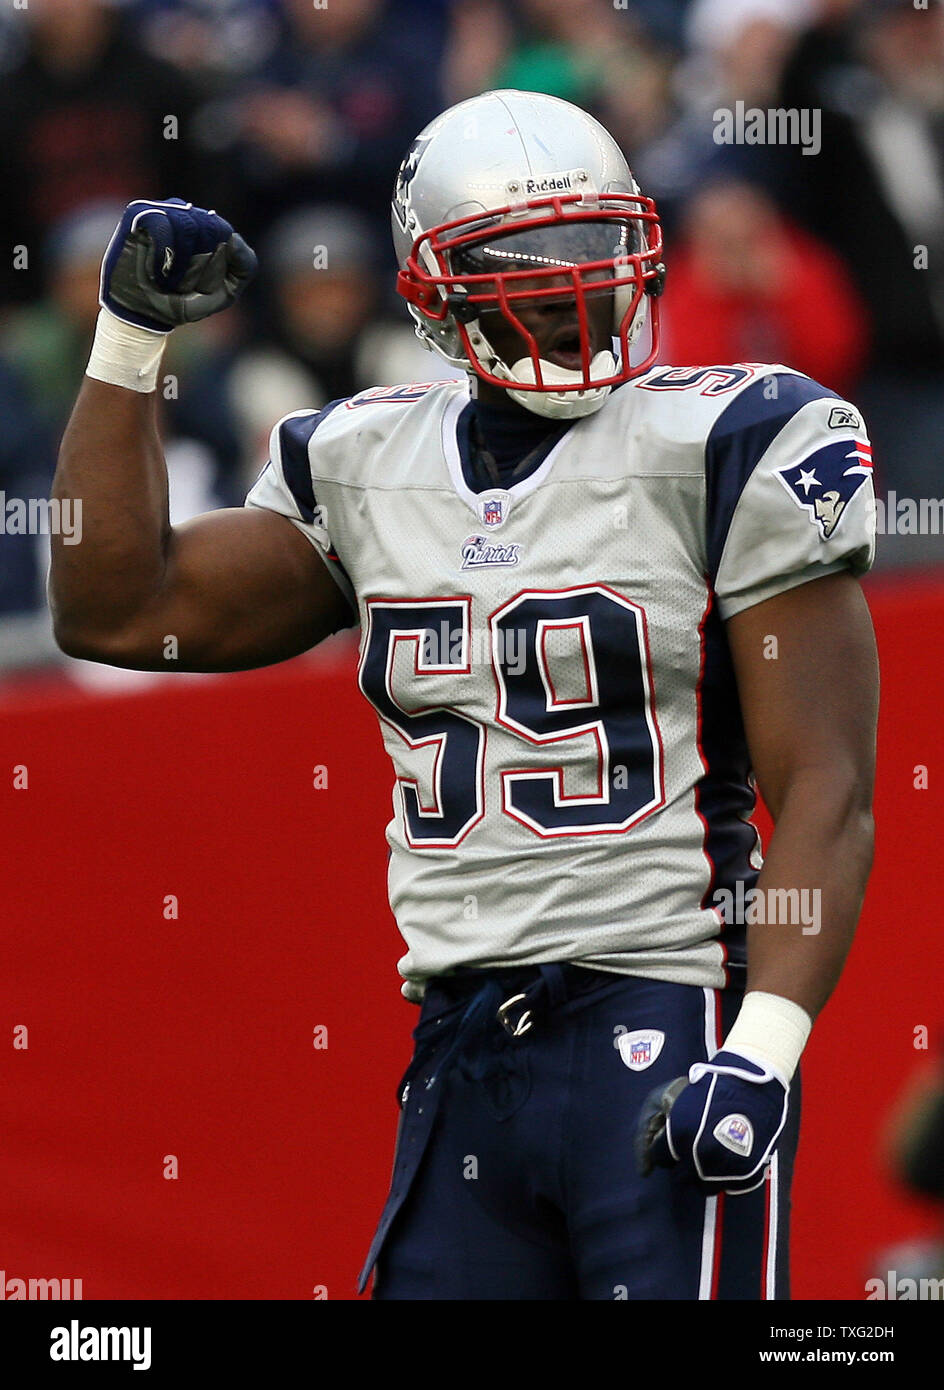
(548, 660)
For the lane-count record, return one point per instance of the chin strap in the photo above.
(560, 405)
(553, 405)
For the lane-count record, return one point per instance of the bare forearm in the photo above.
(111, 463)
(822, 850)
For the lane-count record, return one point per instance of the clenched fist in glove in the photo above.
(168, 263)
(720, 1125)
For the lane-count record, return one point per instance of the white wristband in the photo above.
(124, 355)
(771, 1031)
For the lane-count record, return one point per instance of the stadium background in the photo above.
(193, 1036)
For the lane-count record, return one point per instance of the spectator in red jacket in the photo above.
(748, 286)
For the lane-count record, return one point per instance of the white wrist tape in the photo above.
(124, 355)
(770, 1030)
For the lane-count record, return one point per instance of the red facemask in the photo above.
(550, 250)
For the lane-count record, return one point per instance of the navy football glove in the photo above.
(170, 263)
(720, 1125)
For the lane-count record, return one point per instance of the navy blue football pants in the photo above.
(515, 1174)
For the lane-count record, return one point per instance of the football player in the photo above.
(597, 598)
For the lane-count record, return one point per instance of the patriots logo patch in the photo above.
(478, 553)
(825, 483)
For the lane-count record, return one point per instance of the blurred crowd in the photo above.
(290, 117)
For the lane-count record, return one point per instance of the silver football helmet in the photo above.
(516, 200)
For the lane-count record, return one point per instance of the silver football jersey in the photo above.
(548, 660)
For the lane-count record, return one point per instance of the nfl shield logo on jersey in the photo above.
(493, 508)
(640, 1049)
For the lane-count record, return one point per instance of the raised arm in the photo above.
(229, 590)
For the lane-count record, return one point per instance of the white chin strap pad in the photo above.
(560, 405)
